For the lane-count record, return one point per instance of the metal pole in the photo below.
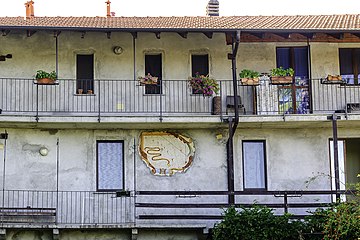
(57, 178)
(4, 136)
(134, 217)
(336, 155)
(230, 164)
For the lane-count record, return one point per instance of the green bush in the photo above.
(256, 223)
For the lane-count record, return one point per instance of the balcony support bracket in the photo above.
(134, 233)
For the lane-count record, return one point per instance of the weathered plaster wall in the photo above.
(38, 52)
(293, 157)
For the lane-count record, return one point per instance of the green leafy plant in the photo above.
(204, 85)
(256, 223)
(246, 73)
(340, 221)
(281, 72)
(43, 74)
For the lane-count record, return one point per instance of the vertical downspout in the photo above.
(233, 123)
(310, 76)
(336, 155)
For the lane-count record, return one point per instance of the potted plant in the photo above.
(204, 85)
(148, 79)
(334, 78)
(249, 77)
(43, 77)
(282, 76)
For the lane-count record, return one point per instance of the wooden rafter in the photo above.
(183, 34)
(29, 33)
(57, 33)
(5, 32)
(208, 34)
(157, 34)
(339, 36)
(108, 35)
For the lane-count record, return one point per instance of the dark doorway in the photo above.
(85, 73)
(153, 65)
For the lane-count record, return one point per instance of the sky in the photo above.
(143, 8)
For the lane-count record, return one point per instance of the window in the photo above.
(110, 165)
(349, 60)
(85, 73)
(153, 65)
(254, 167)
(294, 98)
(199, 65)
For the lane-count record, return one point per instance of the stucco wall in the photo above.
(293, 156)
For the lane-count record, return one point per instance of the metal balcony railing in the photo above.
(173, 98)
(73, 208)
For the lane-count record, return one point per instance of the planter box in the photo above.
(146, 81)
(45, 81)
(250, 81)
(336, 78)
(281, 80)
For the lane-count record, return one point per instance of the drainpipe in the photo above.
(233, 123)
(334, 118)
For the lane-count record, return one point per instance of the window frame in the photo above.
(122, 163)
(355, 65)
(264, 162)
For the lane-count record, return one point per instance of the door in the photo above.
(85, 73)
(153, 65)
(294, 98)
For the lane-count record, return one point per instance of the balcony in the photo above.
(173, 98)
(89, 209)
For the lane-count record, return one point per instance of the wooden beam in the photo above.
(57, 33)
(208, 34)
(356, 34)
(283, 35)
(134, 34)
(339, 36)
(257, 34)
(5, 32)
(183, 34)
(29, 33)
(307, 35)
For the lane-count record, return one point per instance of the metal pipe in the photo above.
(310, 76)
(233, 63)
(336, 155)
(233, 124)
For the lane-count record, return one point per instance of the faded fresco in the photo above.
(166, 153)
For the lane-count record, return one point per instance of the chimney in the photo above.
(29, 5)
(108, 13)
(212, 9)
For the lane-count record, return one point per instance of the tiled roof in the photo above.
(306, 23)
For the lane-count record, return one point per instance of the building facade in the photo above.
(102, 154)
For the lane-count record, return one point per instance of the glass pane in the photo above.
(302, 101)
(254, 165)
(285, 100)
(110, 165)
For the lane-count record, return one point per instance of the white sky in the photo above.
(179, 7)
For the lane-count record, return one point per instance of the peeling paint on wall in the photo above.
(166, 153)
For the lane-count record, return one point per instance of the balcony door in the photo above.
(85, 73)
(153, 65)
(294, 98)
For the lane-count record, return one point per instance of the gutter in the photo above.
(233, 123)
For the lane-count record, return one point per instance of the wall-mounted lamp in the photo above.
(4, 57)
(118, 50)
(43, 151)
